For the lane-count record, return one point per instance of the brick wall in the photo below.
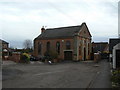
(82, 39)
(15, 57)
(53, 46)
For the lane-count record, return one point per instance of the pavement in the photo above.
(8, 63)
(62, 75)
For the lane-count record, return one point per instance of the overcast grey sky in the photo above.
(22, 19)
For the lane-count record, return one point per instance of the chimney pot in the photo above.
(42, 29)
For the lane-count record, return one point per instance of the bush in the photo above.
(116, 77)
(25, 58)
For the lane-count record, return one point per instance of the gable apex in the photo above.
(84, 24)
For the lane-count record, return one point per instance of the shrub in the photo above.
(25, 58)
(116, 77)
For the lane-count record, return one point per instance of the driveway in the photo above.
(62, 75)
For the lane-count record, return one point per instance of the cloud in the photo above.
(21, 19)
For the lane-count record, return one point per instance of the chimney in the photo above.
(42, 29)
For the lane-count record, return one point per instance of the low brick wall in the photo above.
(15, 57)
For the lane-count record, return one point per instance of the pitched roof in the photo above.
(113, 42)
(3, 42)
(117, 46)
(60, 32)
(99, 46)
(100, 42)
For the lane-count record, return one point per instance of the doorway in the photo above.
(68, 55)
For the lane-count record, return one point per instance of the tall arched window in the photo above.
(39, 48)
(58, 47)
(68, 45)
(48, 46)
(80, 44)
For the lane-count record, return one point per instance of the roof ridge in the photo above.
(63, 27)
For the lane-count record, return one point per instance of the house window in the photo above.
(39, 48)
(84, 31)
(58, 47)
(48, 46)
(68, 45)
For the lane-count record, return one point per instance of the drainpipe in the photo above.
(114, 58)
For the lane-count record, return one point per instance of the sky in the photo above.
(23, 19)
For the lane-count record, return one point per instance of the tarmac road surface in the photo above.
(61, 75)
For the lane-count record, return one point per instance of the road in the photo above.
(61, 75)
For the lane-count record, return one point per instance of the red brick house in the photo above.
(4, 49)
(71, 43)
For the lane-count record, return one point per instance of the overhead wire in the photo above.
(62, 12)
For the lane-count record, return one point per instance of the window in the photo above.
(80, 47)
(88, 49)
(48, 46)
(39, 48)
(84, 31)
(68, 45)
(58, 47)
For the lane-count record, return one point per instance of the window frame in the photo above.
(68, 45)
(58, 47)
(48, 46)
(40, 48)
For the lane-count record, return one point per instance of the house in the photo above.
(114, 49)
(99, 46)
(5, 49)
(116, 56)
(112, 43)
(70, 43)
(102, 48)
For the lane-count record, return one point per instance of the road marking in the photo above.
(47, 73)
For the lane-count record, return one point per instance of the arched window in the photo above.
(48, 46)
(58, 47)
(80, 44)
(39, 48)
(68, 45)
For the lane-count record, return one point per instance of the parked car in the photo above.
(32, 58)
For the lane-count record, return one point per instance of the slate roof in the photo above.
(113, 42)
(61, 32)
(99, 46)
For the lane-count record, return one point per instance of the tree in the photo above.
(27, 44)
